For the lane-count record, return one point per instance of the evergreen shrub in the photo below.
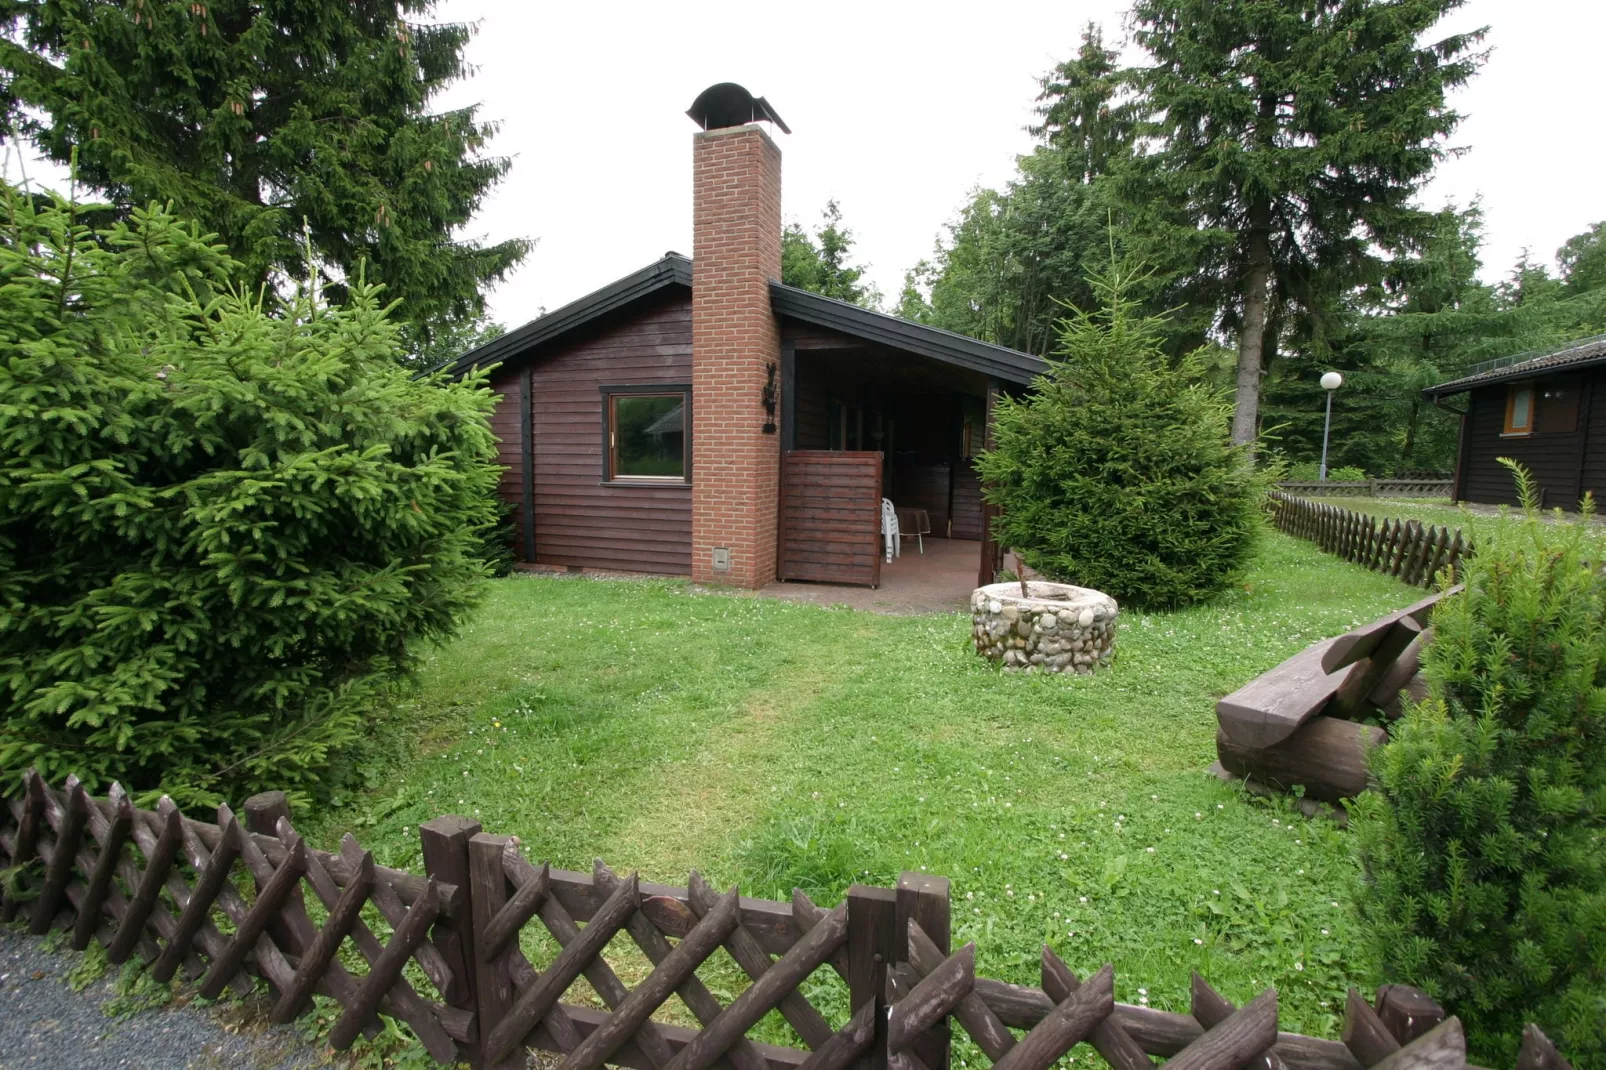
(223, 533)
(1117, 471)
(1484, 842)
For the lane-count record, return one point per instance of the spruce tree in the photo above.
(1087, 111)
(1116, 472)
(223, 533)
(260, 119)
(1290, 138)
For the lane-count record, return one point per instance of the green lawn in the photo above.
(775, 744)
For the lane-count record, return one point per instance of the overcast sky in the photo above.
(899, 109)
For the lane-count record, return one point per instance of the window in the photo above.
(646, 433)
(1519, 409)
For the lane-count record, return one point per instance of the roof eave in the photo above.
(1545, 364)
(670, 270)
(894, 331)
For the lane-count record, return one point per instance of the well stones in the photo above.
(1054, 627)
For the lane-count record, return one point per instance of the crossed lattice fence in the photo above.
(156, 884)
(1405, 549)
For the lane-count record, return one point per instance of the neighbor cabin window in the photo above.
(1519, 409)
(646, 434)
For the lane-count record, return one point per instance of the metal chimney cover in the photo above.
(728, 104)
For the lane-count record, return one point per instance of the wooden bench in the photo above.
(1295, 724)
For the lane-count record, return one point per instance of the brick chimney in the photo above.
(736, 221)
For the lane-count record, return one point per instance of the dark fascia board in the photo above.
(672, 270)
(896, 332)
(1010, 365)
(1589, 354)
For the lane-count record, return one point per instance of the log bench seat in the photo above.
(1296, 724)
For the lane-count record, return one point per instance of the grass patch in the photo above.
(774, 744)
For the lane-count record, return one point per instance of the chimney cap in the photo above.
(728, 104)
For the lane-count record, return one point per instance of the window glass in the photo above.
(1521, 414)
(649, 436)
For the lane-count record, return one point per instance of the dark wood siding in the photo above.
(967, 503)
(509, 383)
(831, 516)
(923, 486)
(812, 420)
(1592, 429)
(1556, 458)
(579, 519)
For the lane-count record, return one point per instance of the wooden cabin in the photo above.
(700, 418)
(1547, 412)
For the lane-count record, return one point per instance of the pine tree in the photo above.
(222, 532)
(1583, 260)
(1291, 137)
(260, 119)
(820, 263)
(1088, 114)
(1484, 843)
(1117, 471)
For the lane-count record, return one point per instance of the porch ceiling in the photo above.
(894, 370)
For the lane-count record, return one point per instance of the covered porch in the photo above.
(902, 418)
(938, 581)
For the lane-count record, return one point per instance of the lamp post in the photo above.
(1330, 382)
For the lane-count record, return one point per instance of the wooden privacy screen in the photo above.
(150, 883)
(830, 517)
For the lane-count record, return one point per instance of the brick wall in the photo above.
(736, 215)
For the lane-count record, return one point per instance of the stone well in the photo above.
(1054, 628)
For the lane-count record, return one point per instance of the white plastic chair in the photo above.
(889, 530)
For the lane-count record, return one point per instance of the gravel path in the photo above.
(45, 1025)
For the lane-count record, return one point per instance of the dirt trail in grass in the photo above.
(687, 811)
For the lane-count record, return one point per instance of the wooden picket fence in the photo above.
(153, 883)
(1405, 549)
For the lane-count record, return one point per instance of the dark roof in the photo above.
(671, 270)
(675, 270)
(895, 331)
(1589, 352)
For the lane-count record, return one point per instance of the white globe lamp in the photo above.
(1331, 381)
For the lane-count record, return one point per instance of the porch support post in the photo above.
(987, 570)
(527, 462)
(788, 394)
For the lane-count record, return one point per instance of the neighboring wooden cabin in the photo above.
(1547, 412)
